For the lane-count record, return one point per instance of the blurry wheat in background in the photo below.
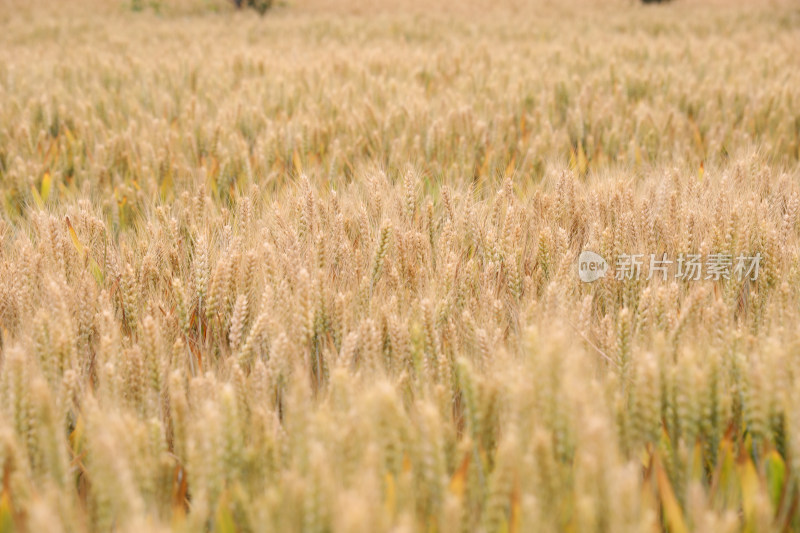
(316, 271)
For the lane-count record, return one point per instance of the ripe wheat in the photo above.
(319, 272)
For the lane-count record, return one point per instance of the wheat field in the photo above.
(320, 270)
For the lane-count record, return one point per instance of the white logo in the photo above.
(591, 266)
(688, 267)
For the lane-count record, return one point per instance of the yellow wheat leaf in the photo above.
(166, 186)
(96, 271)
(94, 268)
(723, 488)
(511, 166)
(406, 463)
(52, 152)
(37, 199)
(484, 168)
(672, 509)
(749, 484)
(646, 457)
(179, 490)
(583, 163)
(459, 480)
(697, 472)
(76, 437)
(8, 202)
(390, 503)
(698, 138)
(298, 165)
(74, 236)
(6, 518)
(223, 519)
(47, 186)
(649, 500)
(69, 136)
(776, 477)
(516, 509)
(504, 527)
(214, 188)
